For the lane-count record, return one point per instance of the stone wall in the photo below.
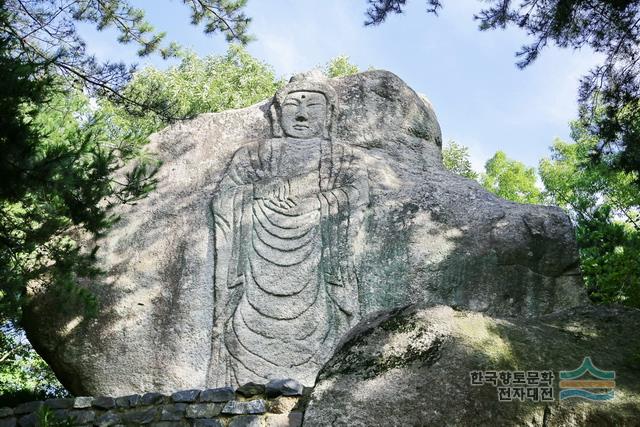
(279, 403)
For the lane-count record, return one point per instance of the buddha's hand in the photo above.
(275, 190)
(304, 185)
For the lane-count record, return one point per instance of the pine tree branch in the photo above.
(10, 352)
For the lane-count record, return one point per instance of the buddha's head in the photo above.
(304, 108)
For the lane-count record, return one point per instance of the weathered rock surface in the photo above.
(405, 231)
(412, 366)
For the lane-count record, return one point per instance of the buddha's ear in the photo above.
(276, 128)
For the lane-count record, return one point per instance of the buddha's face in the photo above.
(304, 114)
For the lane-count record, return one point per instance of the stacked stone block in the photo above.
(279, 403)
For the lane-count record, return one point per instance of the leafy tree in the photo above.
(511, 179)
(340, 67)
(23, 374)
(196, 85)
(199, 85)
(507, 178)
(58, 184)
(610, 258)
(45, 31)
(455, 158)
(608, 27)
(605, 206)
(83, 144)
(59, 153)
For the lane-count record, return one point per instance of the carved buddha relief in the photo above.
(286, 213)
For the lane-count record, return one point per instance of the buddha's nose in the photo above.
(301, 114)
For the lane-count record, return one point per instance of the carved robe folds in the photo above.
(286, 214)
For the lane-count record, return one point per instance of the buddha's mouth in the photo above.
(300, 127)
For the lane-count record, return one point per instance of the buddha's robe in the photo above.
(286, 288)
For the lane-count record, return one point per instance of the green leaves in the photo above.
(196, 85)
(67, 159)
(605, 205)
(45, 31)
(511, 180)
(24, 375)
(224, 16)
(59, 158)
(504, 177)
(455, 158)
(340, 67)
(68, 185)
(610, 258)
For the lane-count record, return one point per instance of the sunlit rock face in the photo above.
(275, 228)
(424, 366)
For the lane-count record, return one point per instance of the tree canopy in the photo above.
(511, 179)
(58, 151)
(45, 31)
(455, 157)
(605, 207)
(66, 127)
(504, 177)
(195, 85)
(340, 67)
(24, 375)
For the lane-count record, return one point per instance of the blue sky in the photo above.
(481, 98)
